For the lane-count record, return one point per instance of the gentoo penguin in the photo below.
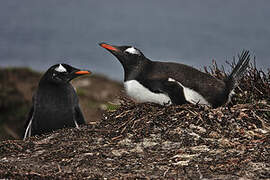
(55, 103)
(173, 83)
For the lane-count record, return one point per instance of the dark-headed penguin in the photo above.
(173, 83)
(55, 103)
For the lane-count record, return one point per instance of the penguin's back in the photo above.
(213, 90)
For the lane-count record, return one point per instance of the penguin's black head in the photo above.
(127, 55)
(63, 73)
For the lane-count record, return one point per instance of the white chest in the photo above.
(141, 94)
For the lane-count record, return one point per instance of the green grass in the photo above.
(81, 92)
(112, 107)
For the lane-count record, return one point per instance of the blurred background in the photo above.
(37, 34)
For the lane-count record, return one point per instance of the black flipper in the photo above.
(28, 124)
(172, 89)
(79, 116)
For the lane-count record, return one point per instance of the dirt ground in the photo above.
(149, 141)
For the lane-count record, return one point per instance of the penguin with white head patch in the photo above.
(173, 83)
(55, 103)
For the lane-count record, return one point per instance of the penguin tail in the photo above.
(238, 71)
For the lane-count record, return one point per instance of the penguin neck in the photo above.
(131, 71)
(58, 89)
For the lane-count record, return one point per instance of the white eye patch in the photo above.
(60, 68)
(132, 50)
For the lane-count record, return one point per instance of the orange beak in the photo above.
(109, 47)
(82, 72)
